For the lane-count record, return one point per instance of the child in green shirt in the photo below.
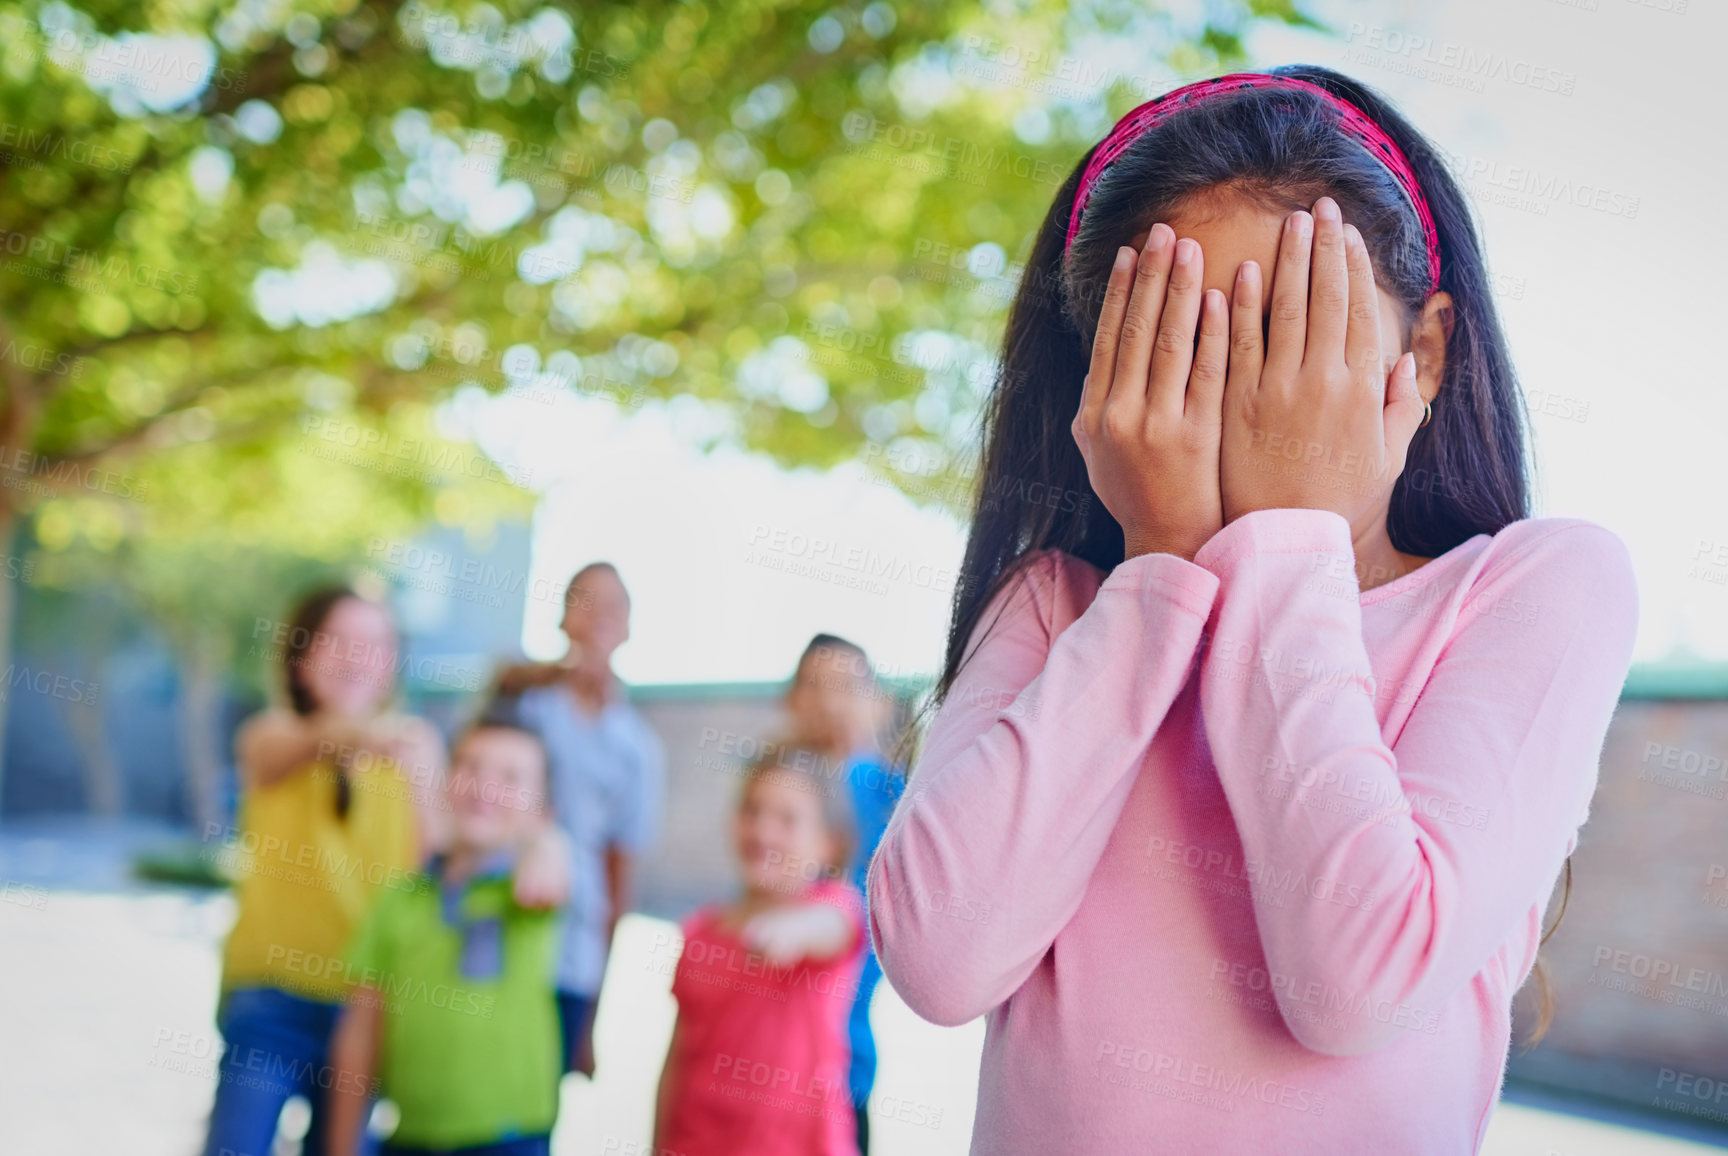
(453, 1008)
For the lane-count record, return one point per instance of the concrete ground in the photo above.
(107, 1044)
(107, 1040)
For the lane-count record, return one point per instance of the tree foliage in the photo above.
(248, 248)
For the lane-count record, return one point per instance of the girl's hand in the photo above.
(787, 934)
(1151, 407)
(543, 875)
(1313, 421)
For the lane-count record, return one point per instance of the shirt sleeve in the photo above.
(1024, 776)
(1419, 853)
(636, 824)
(849, 902)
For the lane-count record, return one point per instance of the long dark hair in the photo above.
(304, 626)
(1465, 473)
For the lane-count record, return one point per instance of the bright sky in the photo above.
(1550, 107)
(1606, 310)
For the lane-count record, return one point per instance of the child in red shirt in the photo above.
(758, 1060)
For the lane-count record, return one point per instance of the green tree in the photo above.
(247, 248)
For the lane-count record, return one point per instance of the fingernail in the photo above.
(1186, 250)
(1301, 223)
(1327, 209)
(1124, 258)
(1246, 270)
(1159, 236)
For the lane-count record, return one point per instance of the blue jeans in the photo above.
(575, 1021)
(278, 1045)
(862, 1075)
(523, 1146)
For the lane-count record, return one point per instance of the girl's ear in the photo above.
(1429, 336)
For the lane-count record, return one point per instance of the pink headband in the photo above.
(1351, 119)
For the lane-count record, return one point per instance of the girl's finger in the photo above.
(1403, 412)
(1173, 346)
(1328, 286)
(1205, 399)
(1246, 350)
(1289, 327)
(1362, 337)
(1145, 309)
(1097, 386)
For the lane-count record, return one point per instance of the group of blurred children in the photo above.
(436, 933)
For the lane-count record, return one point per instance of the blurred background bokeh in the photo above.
(447, 299)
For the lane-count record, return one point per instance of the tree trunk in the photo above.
(200, 724)
(8, 603)
(103, 787)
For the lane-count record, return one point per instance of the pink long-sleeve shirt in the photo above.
(1236, 858)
